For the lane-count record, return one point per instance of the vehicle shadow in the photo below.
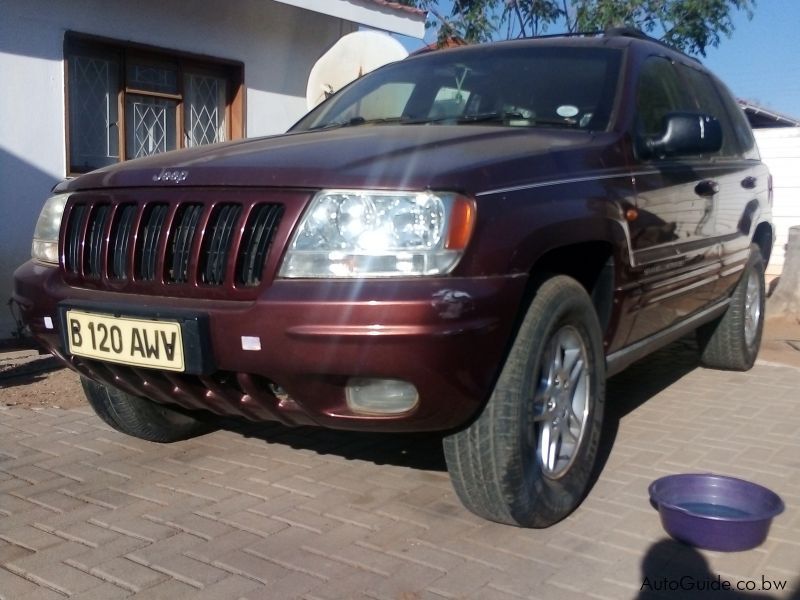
(422, 451)
(671, 569)
(28, 372)
(625, 392)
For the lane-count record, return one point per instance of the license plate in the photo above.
(125, 340)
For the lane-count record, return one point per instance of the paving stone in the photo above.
(238, 562)
(127, 574)
(48, 571)
(14, 586)
(406, 580)
(168, 590)
(41, 593)
(106, 591)
(29, 536)
(267, 512)
(463, 581)
(208, 552)
(197, 525)
(155, 552)
(349, 584)
(118, 547)
(188, 570)
(233, 586)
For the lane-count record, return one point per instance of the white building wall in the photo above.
(780, 150)
(277, 43)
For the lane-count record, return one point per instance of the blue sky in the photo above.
(760, 62)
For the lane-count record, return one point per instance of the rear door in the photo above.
(737, 173)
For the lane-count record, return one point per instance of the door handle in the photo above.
(706, 188)
(749, 182)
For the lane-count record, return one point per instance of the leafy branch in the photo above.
(689, 25)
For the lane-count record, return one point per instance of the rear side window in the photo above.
(708, 101)
(740, 123)
(659, 92)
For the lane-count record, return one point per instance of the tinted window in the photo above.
(659, 92)
(740, 123)
(512, 86)
(709, 102)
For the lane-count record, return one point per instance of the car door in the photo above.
(736, 173)
(674, 247)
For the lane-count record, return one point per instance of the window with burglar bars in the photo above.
(127, 102)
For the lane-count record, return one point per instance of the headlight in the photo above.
(360, 233)
(45, 236)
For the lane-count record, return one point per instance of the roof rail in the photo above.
(567, 34)
(632, 32)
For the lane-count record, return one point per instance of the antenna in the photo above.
(354, 55)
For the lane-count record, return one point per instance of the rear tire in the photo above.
(140, 417)
(732, 341)
(528, 458)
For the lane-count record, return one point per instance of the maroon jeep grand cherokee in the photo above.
(469, 241)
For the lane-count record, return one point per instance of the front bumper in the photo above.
(447, 336)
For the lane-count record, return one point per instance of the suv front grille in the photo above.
(192, 243)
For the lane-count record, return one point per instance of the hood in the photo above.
(468, 159)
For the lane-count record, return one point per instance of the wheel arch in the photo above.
(591, 251)
(591, 263)
(764, 237)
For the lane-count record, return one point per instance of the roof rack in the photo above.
(632, 32)
(623, 31)
(567, 34)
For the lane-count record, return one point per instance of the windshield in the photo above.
(512, 86)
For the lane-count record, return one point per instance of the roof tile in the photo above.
(400, 7)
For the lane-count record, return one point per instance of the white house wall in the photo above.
(780, 150)
(278, 44)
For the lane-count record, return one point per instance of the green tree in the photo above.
(689, 25)
(470, 20)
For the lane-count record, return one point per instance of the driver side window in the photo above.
(659, 92)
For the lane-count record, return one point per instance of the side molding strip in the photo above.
(621, 359)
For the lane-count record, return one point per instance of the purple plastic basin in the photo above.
(714, 511)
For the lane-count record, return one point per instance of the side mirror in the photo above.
(685, 134)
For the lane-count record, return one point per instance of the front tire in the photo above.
(528, 458)
(140, 417)
(732, 341)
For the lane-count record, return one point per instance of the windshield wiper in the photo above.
(476, 118)
(491, 117)
(488, 117)
(498, 116)
(355, 121)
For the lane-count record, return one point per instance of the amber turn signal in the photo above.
(462, 221)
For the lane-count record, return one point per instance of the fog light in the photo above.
(380, 396)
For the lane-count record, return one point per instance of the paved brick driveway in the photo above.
(275, 513)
